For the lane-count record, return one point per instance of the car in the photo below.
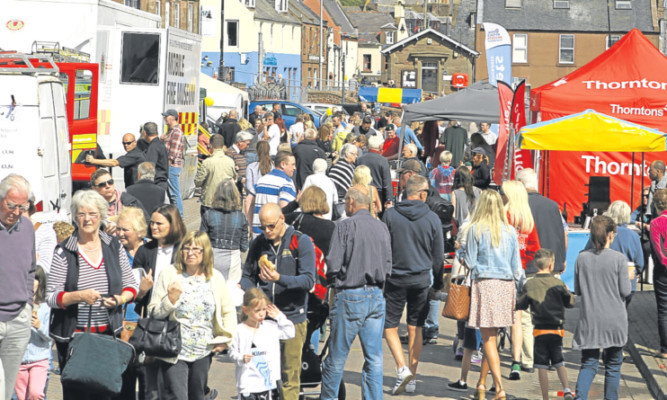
(322, 108)
(288, 110)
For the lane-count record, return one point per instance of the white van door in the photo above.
(54, 137)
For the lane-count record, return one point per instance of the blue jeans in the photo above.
(175, 188)
(613, 359)
(432, 323)
(355, 312)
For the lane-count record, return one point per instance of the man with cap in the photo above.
(173, 141)
(391, 143)
(365, 128)
(481, 174)
(129, 162)
(156, 153)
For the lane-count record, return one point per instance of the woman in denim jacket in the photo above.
(492, 254)
(227, 227)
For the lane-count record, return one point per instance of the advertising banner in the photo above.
(522, 158)
(506, 94)
(498, 53)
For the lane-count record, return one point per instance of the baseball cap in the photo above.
(390, 127)
(478, 150)
(171, 112)
(410, 165)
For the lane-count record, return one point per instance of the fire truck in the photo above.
(120, 70)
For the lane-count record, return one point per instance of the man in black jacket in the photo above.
(146, 191)
(230, 128)
(379, 167)
(305, 153)
(157, 154)
(417, 249)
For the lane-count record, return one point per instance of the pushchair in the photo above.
(311, 362)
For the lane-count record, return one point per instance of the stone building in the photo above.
(427, 61)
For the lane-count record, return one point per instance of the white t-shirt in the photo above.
(296, 132)
(274, 139)
(490, 137)
(163, 260)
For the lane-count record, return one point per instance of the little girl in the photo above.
(256, 346)
(31, 380)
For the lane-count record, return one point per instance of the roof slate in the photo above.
(369, 24)
(339, 17)
(582, 16)
(265, 9)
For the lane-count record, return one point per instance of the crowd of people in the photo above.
(296, 221)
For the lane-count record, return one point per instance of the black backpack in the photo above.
(445, 211)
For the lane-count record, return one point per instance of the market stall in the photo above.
(628, 82)
(602, 133)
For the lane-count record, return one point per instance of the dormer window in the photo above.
(249, 3)
(389, 37)
(281, 5)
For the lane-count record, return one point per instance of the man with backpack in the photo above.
(286, 273)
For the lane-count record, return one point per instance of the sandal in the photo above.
(498, 395)
(480, 392)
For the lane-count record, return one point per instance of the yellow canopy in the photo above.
(590, 131)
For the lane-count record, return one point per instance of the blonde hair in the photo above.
(517, 208)
(199, 238)
(446, 157)
(253, 297)
(137, 219)
(489, 215)
(244, 124)
(362, 176)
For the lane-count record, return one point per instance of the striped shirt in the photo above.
(273, 187)
(92, 275)
(239, 160)
(341, 174)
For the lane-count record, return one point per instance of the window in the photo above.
(291, 111)
(281, 5)
(167, 12)
(232, 33)
(229, 74)
(623, 5)
(520, 48)
(367, 62)
(389, 37)
(249, 3)
(133, 3)
(612, 39)
(158, 9)
(139, 58)
(561, 3)
(512, 3)
(177, 15)
(191, 15)
(566, 49)
(82, 90)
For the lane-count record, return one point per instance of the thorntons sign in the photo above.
(636, 84)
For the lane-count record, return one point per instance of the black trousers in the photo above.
(185, 380)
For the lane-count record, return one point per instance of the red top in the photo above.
(529, 243)
(390, 147)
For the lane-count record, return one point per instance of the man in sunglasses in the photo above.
(129, 162)
(17, 246)
(102, 182)
(286, 284)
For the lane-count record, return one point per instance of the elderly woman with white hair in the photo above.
(320, 179)
(626, 241)
(90, 278)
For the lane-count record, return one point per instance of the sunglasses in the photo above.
(270, 226)
(104, 184)
(128, 143)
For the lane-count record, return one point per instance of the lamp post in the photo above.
(342, 78)
(221, 67)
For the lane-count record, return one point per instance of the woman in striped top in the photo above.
(90, 276)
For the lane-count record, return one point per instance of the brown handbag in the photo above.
(457, 305)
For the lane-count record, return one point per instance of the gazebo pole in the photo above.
(642, 210)
(632, 182)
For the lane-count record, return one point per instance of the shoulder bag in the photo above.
(156, 337)
(96, 362)
(457, 305)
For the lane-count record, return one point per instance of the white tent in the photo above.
(225, 97)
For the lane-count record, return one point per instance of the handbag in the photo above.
(96, 362)
(128, 327)
(457, 305)
(157, 338)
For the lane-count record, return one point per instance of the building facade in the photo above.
(427, 61)
(180, 14)
(552, 38)
(310, 44)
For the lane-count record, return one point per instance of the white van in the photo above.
(34, 139)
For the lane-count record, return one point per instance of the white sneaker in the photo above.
(411, 387)
(403, 377)
(476, 358)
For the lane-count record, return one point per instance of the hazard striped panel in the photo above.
(188, 121)
(103, 122)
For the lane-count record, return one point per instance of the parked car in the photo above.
(288, 110)
(322, 108)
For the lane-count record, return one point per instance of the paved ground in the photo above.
(438, 367)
